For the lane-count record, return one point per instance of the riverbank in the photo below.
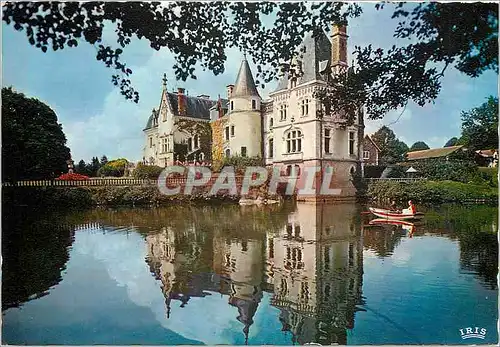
(431, 192)
(46, 198)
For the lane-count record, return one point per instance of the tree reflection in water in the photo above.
(34, 253)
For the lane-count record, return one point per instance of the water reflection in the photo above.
(306, 261)
(34, 254)
(312, 265)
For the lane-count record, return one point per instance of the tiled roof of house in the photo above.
(487, 153)
(315, 60)
(432, 153)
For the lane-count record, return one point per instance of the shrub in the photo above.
(72, 177)
(114, 168)
(241, 163)
(147, 171)
(374, 171)
(454, 170)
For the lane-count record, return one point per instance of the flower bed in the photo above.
(72, 177)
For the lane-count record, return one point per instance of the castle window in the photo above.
(254, 104)
(164, 145)
(327, 140)
(190, 144)
(296, 170)
(232, 130)
(228, 153)
(202, 156)
(305, 107)
(366, 154)
(271, 148)
(243, 151)
(271, 122)
(150, 141)
(294, 141)
(227, 133)
(196, 141)
(232, 105)
(351, 142)
(271, 248)
(293, 83)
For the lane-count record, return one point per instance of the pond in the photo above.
(282, 275)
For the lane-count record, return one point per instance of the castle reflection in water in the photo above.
(312, 266)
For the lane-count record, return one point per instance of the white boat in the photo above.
(395, 215)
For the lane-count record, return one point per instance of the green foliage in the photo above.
(453, 170)
(451, 142)
(114, 168)
(431, 191)
(147, 171)
(480, 126)
(397, 171)
(489, 175)
(467, 40)
(418, 146)
(33, 143)
(391, 149)
(374, 171)
(241, 163)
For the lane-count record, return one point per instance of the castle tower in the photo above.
(242, 133)
(339, 48)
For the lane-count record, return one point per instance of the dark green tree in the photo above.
(392, 150)
(104, 160)
(451, 142)
(440, 35)
(480, 126)
(33, 142)
(418, 146)
(81, 168)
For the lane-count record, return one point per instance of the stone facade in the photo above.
(371, 152)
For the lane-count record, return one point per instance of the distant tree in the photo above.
(480, 126)
(392, 150)
(104, 160)
(451, 142)
(418, 146)
(33, 142)
(81, 167)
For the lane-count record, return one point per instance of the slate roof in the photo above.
(315, 60)
(245, 85)
(198, 108)
(432, 153)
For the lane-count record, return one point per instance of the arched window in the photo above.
(352, 171)
(196, 141)
(232, 105)
(202, 156)
(294, 141)
(289, 170)
(228, 153)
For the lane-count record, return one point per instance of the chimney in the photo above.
(339, 45)
(181, 101)
(230, 90)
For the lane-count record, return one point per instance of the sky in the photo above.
(97, 120)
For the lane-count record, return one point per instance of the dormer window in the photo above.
(293, 83)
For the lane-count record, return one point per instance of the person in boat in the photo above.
(411, 208)
(394, 207)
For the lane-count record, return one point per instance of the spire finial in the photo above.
(164, 81)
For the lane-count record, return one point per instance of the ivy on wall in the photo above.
(218, 142)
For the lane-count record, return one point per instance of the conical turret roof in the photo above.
(245, 85)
